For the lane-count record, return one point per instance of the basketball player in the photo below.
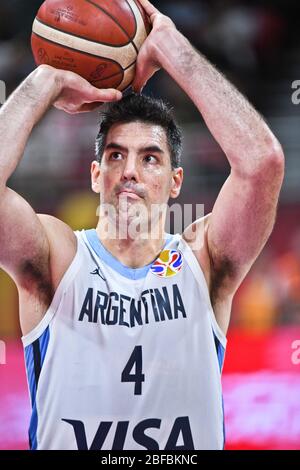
(124, 337)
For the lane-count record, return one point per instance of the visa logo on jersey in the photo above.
(180, 435)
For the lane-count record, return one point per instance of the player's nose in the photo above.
(130, 171)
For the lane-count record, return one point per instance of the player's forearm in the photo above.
(20, 113)
(240, 131)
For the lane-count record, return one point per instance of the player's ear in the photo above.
(95, 176)
(177, 178)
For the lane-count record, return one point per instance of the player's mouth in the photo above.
(129, 194)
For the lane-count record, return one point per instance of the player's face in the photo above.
(136, 166)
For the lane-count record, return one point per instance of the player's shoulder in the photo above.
(195, 233)
(57, 229)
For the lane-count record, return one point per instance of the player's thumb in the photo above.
(144, 71)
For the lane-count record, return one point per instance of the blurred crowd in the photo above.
(270, 294)
(256, 44)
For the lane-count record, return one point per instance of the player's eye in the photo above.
(150, 159)
(115, 156)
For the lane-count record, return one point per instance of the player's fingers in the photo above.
(144, 71)
(138, 85)
(75, 109)
(148, 7)
(109, 94)
(141, 80)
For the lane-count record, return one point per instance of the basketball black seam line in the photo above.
(133, 43)
(91, 55)
(136, 26)
(117, 23)
(115, 74)
(80, 52)
(130, 84)
(83, 37)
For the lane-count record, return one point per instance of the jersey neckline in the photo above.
(114, 263)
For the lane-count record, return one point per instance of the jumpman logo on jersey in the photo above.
(97, 272)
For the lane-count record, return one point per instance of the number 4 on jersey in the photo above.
(135, 360)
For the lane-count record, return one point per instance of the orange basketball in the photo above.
(97, 39)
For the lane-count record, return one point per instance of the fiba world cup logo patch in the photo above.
(168, 264)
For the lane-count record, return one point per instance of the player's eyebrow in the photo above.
(149, 148)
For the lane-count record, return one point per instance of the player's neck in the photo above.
(134, 253)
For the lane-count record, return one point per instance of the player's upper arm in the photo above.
(240, 224)
(24, 246)
(227, 241)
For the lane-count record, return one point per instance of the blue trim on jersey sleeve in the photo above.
(44, 341)
(28, 352)
(224, 435)
(220, 350)
(33, 383)
(114, 263)
(33, 428)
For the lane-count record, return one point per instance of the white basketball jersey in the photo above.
(127, 358)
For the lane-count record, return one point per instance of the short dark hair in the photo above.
(141, 108)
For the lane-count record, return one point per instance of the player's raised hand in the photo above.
(78, 95)
(72, 93)
(149, 60)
